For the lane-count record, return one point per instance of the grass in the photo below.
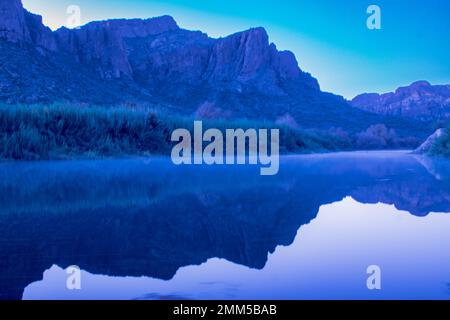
(59, 131)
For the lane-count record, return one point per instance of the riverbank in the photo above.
(59, 131)
(64, 131)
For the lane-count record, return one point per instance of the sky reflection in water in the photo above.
(143, 229)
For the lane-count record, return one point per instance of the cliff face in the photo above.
(159, 48)
(22, 27)
(101, 44)
(13, 26)
(248, 57)
(419, 100)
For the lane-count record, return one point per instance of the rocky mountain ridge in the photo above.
(104, 46)
(418, 100)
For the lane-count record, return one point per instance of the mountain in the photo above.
(419, 100)
(154, 62)
(154, 54)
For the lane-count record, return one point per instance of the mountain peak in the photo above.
(418, 100)
(421, 83)
(413, 87)
(257, 33)
(134, 27)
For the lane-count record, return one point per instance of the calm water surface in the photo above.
(145, 229)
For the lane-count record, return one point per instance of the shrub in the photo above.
(62, 131)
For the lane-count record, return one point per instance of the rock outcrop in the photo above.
(101, 44)
(13, 26)
(22, 27)
(248, 57)
(428, 144)
(419, 100)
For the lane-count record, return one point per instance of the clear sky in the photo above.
(329, 38)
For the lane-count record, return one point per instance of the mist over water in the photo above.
(145, 229)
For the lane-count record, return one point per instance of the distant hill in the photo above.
(155, 63)
(420, 100)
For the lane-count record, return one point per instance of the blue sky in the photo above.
(329, 38)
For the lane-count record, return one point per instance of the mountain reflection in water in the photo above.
(146, 217)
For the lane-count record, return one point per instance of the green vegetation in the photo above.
(39, 132)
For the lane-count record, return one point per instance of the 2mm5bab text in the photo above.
(247, 309)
